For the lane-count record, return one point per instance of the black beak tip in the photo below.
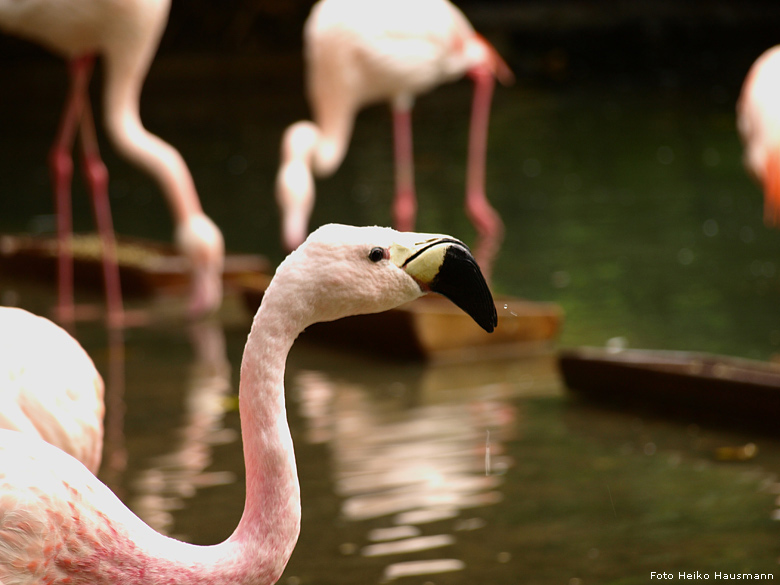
(460, 280)
(485, 314)
(492, 322)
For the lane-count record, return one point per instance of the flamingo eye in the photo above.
(376, 254)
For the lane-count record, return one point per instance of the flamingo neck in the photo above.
(330, 150)
(158, 158)
(258, 550)
(334, 117)
(270, 525)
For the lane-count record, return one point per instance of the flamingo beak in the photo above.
(446, 266)
(492, 62)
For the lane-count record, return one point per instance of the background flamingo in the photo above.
(50, 387)
(126, 35)
(58, 522)
(758, 121)
(359, 52)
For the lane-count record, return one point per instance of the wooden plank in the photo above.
(690, 385)
(146, 268)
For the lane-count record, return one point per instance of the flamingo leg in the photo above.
(77, 113)
(484, 217)
(405, 204)
(97, 177)
(61, 168)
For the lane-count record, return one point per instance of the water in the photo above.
(625, 202)
(491, 465)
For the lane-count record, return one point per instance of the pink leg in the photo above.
(485, 219)
(97, 178)
(61, 167)
(405, 204)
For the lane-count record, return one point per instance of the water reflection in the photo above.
(413, 465)
(175, 476)
(114, 447)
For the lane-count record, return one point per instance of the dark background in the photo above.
(669, 42)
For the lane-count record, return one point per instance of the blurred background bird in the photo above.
(125, 35)
(758, 120)
(358, 53)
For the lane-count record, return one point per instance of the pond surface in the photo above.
(625, 202)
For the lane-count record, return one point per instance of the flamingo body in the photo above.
(50, 387)
(758, 120)
(358, 53)
(78, 531)
(125, 34)
(60, 524)
(71, 28)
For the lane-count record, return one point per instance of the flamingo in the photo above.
(758, 121)
(60, 524)
(359, 52)
(126, 35)
(50, 387)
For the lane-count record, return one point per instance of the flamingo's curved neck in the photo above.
(258, 550)
(271, 519)
(123, 81)
(335, 121)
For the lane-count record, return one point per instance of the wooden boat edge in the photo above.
(169, 271)
(699, 386)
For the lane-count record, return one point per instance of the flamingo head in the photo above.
(486, 61)
(200, 240)
(295, 183)
(343, 270)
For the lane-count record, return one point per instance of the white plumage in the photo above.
(50, 387)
